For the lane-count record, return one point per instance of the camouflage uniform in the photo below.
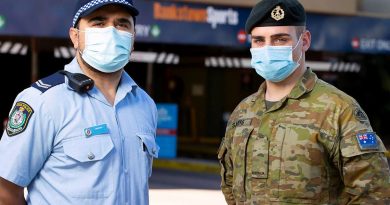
(303, 150)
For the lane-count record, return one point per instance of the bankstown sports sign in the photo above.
(196, 24)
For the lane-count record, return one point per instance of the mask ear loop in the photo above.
(299, 40)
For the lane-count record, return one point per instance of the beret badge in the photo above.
(277, 13)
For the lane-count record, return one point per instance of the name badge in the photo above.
(96, 130)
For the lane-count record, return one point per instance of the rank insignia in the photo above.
(19, 118)
(367, 141)
(277, 13)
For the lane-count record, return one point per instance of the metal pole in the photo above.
(149, 79)
(34, 60)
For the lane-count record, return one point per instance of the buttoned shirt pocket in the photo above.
(90, 166)
(302, 168)
(149, 150)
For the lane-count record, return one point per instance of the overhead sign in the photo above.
(349, 33)
(196, 24)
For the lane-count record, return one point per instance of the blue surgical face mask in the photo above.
(107, 49)
(274, 63)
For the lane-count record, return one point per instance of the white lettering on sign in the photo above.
(216, 16)
(374, 44)
(142, 30)
(383, 45)
(367, 44)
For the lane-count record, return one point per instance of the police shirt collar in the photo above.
(127, 83)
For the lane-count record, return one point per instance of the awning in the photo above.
(136, 56)
(13, 48)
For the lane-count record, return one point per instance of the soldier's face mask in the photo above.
(107, 49)
(274, 63)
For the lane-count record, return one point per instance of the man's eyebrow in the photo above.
(280, 35)
(97, 18)
(124, 20)
(258, 37)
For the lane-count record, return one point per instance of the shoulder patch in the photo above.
(367, 141)
(19, 118)
(360, 114)
(48, 82)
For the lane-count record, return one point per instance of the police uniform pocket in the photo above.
(88, 149)
(90, 166)
(149, 148)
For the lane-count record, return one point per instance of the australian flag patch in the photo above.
(367, 141)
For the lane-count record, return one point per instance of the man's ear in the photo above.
(74, 37)
(306, 39)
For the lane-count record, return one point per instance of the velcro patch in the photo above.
(242, 122)
(367, 141)
(19, 118)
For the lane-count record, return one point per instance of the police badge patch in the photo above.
(19, 118)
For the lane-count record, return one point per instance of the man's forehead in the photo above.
(273, 30)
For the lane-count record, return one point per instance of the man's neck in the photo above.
(107, 83)
(277, 91)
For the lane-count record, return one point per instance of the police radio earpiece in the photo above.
(78, 82)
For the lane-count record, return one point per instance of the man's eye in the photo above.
(98, 24)
(280, 41)
(124, 25)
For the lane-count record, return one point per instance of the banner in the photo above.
(196, 24)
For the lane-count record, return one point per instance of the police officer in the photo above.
(298, 140)
(71, 143)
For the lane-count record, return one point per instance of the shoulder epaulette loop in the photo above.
(48, 82)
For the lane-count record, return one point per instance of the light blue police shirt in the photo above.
(78, 149)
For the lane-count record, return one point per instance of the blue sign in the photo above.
(167, 129)
(167, 116)
(349, 34)
(196, 24)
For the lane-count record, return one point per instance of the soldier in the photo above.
(298, 140)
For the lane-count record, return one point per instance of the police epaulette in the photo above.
(48, 82)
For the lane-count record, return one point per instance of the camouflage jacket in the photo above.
(305, 149)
